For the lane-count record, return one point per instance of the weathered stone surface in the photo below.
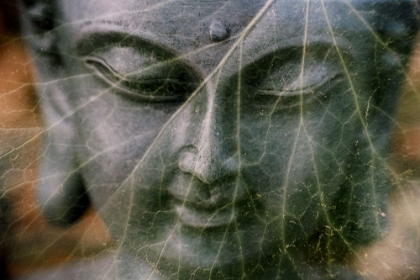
(258, 152)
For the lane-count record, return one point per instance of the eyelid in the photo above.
(130, 94)
(145, 76)
(151, 86)
(92, 60)
(285, 76)
(291, 90)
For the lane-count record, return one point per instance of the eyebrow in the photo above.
(96, 39)
(259, 51)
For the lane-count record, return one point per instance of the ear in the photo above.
(38, 22)
(61, 190)
(62, 193)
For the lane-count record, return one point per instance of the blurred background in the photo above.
(28, 244)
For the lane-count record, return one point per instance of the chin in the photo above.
(212, 251)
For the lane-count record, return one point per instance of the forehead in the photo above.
(183, 26)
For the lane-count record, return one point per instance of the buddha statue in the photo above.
(221, 139)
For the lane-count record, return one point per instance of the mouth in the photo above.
(202, 206)
(204, 218)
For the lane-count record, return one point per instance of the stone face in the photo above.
(251, 147)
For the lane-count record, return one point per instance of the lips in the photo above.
(205, 206)
(203, 218)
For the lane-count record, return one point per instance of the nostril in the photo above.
(186, 162)
(208, 169)
(197, 166)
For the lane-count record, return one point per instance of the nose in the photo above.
(208, 162)
(213, 156)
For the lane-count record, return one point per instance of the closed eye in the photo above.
(287, 82)
(291, 77)
(309, 83)
(157, 82)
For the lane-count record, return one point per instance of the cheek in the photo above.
(290, 142)
(113, 137)
(295, 159)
